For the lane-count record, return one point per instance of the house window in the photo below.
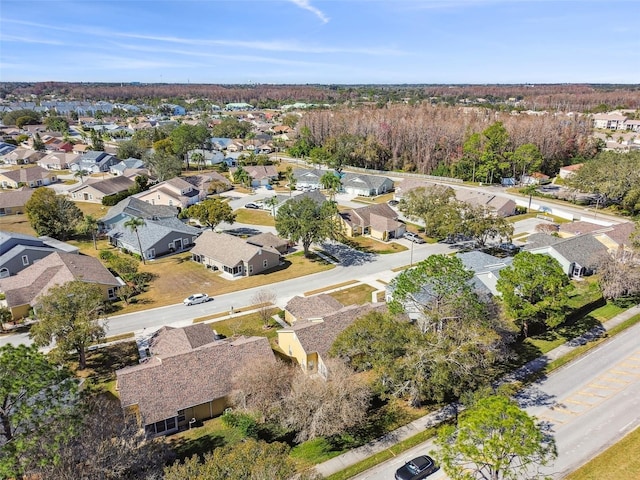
(250, 269)
(171, 423)
(91, 196)
(265, 263)
(158, 196)
(4, 272)
(38, 183)
(170, 203)
(25, 260)
(151, 253)
(181, 416)
(111, 293)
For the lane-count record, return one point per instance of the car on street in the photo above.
(413, 237)
(393, 203)
(252, 206)
(196, 298)
(417, 469)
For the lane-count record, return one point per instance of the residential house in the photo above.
(95, 162)
(501, 206)
(22, 156)
(268, 239)
(308, 178)
(486, 271)
(572, 229)
(578, 256)
(569, 170)
(30, 177)
(260, 174)
(309, 308)
(238, 106)
(23, 290)
(175, 192)
(616, 236)
(18, 251)
(209, 182)
(95, 190)
(58, 161)
(128, 164)
(157, 237)
(221, 143)
(173, 109)
(188, 377)
(210, 157)
(132, 207)
(366, 185)
(13, 202)
(233, 255)
(308, 342)
(314, 195)
(535, 178)
(379, 221)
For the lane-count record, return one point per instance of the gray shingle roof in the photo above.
(108, 186)
(135, 207)
(170, 341)
(151, 232)
(360, 180)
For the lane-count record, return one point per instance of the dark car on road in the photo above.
(417, 469)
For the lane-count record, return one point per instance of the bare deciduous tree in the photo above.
(548, 228)
(318, 407)
(265, 299)
(263, 388)
(619, 274)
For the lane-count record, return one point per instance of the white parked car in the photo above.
(196, 298)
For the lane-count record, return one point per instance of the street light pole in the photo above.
(411, 263)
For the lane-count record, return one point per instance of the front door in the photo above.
(177, 244)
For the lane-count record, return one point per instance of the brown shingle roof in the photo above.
(318, 336)
(267, 239)
(26, 175)
(109, 186)
(363, 216)
(577, 228)
(316, 306)
(226, 248)
(621, 233)
(15, 198)
(173, 341)
(161, 387)
(55, 269)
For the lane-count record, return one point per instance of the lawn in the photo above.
(202, 439)
(176, 277)
(102, 364)
(615, 463)
(249, 325)
(357, 295)
(379, 199)
(254, 217)
(371, 245)
(17, 224)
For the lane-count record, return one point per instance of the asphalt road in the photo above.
(357, 266)
(588, 405)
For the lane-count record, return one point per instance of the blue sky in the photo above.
(315, 41)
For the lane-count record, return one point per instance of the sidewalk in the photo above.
(356, 455)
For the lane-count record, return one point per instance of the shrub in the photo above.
(244, 422)
(105, 255)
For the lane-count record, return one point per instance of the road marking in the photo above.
(621, 372)
(617, 380)
(578, 402)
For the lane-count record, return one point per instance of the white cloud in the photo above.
(11, 38)
(305, 5)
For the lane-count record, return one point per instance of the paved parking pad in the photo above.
(597, 391)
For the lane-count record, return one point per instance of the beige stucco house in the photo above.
(187, 378)
(233, 255)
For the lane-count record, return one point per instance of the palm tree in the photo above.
(198, 159)
(81, 173)
(133, 224)
(272, 202)
(529, 190)
(331, 182)
(90, 225)
(291, 179)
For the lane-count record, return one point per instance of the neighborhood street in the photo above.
(588, 406)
